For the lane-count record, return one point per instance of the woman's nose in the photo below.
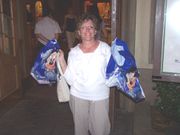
(87, 28)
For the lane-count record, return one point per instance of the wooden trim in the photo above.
(113, 35)
(159, 17)
(113, 18)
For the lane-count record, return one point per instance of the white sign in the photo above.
(171, 49)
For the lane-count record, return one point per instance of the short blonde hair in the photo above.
(86, 17)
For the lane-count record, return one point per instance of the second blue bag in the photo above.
(122, 71)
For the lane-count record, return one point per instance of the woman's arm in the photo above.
(62, 61)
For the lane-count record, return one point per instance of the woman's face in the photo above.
(87, 31)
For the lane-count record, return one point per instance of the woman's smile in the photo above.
(87, 30)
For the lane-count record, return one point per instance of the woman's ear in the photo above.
(78, 32)
(95, 32)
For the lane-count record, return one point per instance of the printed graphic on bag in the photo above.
(44, 70)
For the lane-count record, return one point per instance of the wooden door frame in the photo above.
(112, 103)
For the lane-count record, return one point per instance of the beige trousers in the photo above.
(90, 116)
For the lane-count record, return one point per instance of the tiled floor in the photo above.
(37, 112)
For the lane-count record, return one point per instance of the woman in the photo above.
(85, 73)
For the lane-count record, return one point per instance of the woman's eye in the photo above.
(87, 27)
(92, 27)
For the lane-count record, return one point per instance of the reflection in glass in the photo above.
(6, 7)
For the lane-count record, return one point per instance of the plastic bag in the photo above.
(63, 93)
(44, 70)
(122, 71)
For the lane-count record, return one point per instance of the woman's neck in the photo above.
(89, 46)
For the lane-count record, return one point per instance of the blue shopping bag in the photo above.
(44, 70)
(122, 71)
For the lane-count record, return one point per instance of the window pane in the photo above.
(11, 46)
(7, 27)
(6, 7)
(8, 45)
(171, 55)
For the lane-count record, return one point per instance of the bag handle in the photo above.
(58, 64)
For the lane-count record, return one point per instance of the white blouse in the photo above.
(86, 72)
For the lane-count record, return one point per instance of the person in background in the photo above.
(47, 29)
(85, 73)
(93, 9)
(70, 27)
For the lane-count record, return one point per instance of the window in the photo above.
(7, 30)
(167, 39)
(171, 38)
